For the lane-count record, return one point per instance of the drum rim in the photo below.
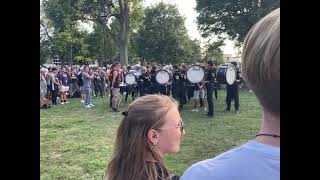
(164, 71)
(198, 66)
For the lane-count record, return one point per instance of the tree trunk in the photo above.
(124, 31)
(70, 60)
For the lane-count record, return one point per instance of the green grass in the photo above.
(77, 143)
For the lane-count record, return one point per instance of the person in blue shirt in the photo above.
(258, 159)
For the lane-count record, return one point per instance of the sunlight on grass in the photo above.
(77, 143)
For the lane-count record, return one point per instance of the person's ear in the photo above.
(153, 136)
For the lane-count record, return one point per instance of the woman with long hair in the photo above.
(150, 128)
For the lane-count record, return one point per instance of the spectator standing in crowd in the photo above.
(196, 95)
(54, 86)
(73, 82)
(43, 88)
(63, 80)
(103, 80)
(80, 83)
(116, 77)
(150, 129)
(97, 82)
(48, 79)
(87, 76)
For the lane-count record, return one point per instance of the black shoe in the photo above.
(116, 110)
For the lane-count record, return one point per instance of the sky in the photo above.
(187, 9)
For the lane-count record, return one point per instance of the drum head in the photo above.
(230, 75)
(130, 79)
(162, 77)
(195, 74)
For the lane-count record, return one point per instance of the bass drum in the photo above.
(226, 74)
(163, 76)
(195, 74)
(130, 79)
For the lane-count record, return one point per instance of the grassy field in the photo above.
(77, 143)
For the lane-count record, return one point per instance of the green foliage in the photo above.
(44, 54)
(214, 52)
(60, 13)
(231, 17)
(163, 36)
(103, 44)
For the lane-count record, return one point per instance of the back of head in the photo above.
(210, 63)
(131, 147)
(261, 61)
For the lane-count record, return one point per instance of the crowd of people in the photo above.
(87, 82)
(152, 126)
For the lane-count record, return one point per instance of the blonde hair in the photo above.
(128, 163)
(261, 61)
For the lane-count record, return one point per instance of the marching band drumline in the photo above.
(180, 82)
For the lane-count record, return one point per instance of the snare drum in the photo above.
(195, 74)
(163, 76)
(226, 74)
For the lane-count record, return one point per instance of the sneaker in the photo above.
(87, 106)
(91, 105)
(196, 110)
(62, 102)
(67, 102)
(237, 112)
(116, 110)
(193, 109)
(82, 101)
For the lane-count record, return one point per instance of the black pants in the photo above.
(182, 97)
(209, 99)
(216, 93)
(54, 96)
(130, 89)
(163, 89)
(168, 90)
(232, 93)
(103, 87)
(98, 88)
(175, 92)
(111, 97)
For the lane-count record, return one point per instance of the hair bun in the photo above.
(125, 113)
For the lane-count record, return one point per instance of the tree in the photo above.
(231, 17)
(44, 54)
(101, 11)
(214, 52)
(163, 36)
